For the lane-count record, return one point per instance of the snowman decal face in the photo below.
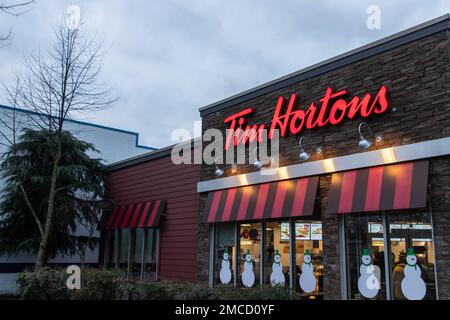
(225, 271)
(370, 275)
(365, 259)
(307, 257)
(277, 257)
(307, 278)
(411, 260)
(413, 287)
(248, 276)
(277, 275)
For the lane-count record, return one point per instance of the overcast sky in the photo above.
(169, 58)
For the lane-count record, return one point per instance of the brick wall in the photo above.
(417, 76)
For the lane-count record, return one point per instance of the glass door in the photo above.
(365, 257)
(250, 254)
(406, 238)
(412, 256)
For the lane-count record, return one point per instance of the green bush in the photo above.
(45, 284)
(111, 284)
(98, 284)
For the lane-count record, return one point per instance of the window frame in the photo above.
(213, 229)
(130, 250)
(387, 261)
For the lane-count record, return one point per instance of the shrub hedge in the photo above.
(49, 284)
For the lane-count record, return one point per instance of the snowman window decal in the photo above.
(248, 276)
(277, 276)
(307, 278)
(225, 271)
(369, 278)
(413, 286)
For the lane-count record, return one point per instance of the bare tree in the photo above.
(13, 9)
(56, 86)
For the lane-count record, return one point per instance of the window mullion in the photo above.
(261, 252)
(292, 254)
(144, 242)
(387, 254)
(237, 254)
(212, 255)
(131, 241)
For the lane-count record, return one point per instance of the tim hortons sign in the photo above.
(335, 107)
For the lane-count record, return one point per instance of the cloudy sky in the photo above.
(169, 58)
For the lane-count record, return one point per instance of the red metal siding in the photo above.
(159, 179)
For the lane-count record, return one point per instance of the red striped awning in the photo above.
(283, 199)
(135, 215)
(398, 186)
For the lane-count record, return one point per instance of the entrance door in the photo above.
(389, 256)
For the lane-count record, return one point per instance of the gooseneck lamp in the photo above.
(303, 155)
(364, 143)
(217, 172)
(257, 164)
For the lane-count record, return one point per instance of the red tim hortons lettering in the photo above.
(238, 135)
(334, 109)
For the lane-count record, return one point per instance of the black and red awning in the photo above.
(135, 215)
(283, 199)
(390, 187)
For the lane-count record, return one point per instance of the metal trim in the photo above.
(342, 257)
(262, 249)
(408, 152)
(237, 239)
(436, 283)
(144, 247)
(212, 249)
(292, 256)
(387, 255)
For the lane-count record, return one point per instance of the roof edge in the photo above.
(152, 155)
(395, 40)
(89, 124)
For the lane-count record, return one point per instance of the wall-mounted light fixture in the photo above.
(217, 172)
(364, 143)
(258, 164)
(303, 155)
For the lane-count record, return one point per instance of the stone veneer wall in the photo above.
(417, 76)
(439, 180)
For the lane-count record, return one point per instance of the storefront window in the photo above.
(111, 249)
(411, 246)
(151, 254)
(276, 253)
(407, 242)
(250, 250)
(124, 250)
(136, 260)
(225, 253)
(136, 250)
(365, 256)
(308, 258)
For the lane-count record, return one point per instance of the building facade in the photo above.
(353, 204)
(152, 231)
(363, 176)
